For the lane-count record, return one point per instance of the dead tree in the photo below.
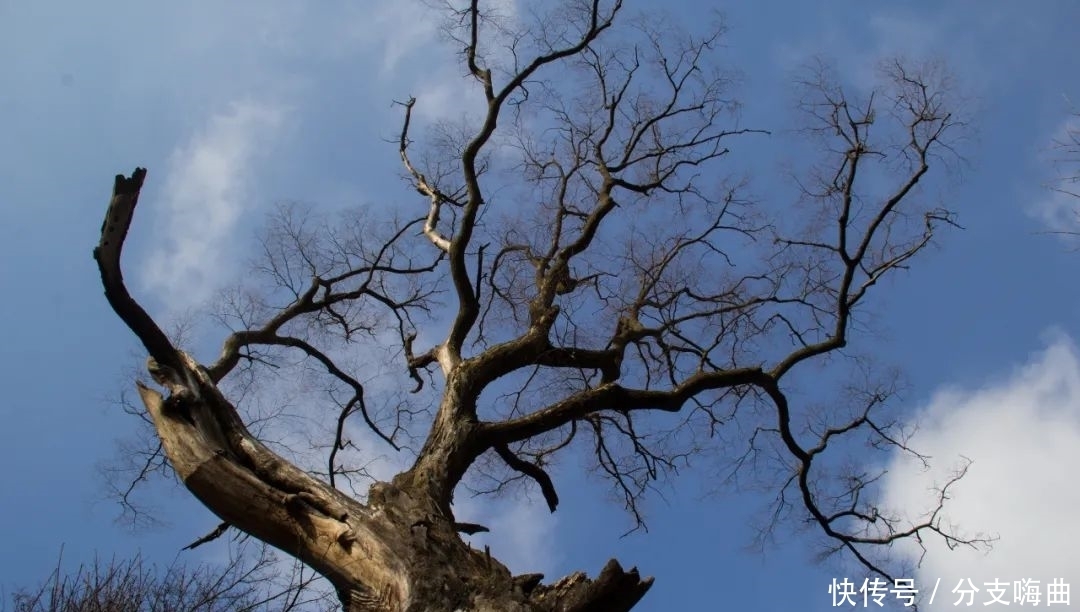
(612, 294)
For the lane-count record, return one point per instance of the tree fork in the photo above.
(391, 554)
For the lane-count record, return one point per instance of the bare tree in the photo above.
(247, 583)
(613, 292)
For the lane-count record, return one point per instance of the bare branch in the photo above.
(210, 537)
(533, 471)
(113, 232)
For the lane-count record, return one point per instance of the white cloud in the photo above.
(1022, 431)
(205, 192)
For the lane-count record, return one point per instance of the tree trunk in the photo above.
(397, 552)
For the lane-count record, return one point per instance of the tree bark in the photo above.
(400, 551)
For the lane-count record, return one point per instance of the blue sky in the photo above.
(234, 107)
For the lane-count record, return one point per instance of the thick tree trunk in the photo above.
(398, 552)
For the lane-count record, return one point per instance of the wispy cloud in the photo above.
(1022, 431)
(950, 33)
(1059, 211)
(207, 188)
(419, 48)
